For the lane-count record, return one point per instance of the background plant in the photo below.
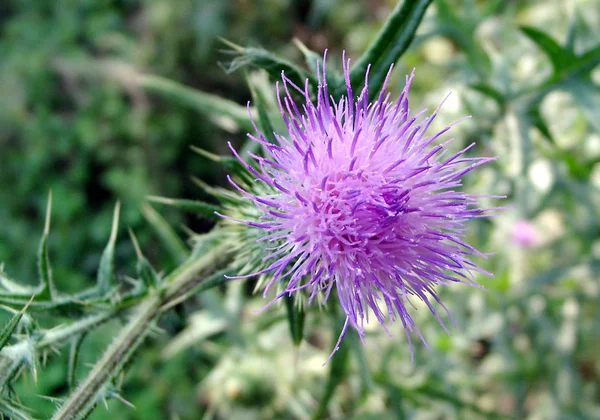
(100, 102)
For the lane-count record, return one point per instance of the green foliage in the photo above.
(296, 318)
(389, 45)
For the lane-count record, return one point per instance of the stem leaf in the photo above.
(105, 278)
(11, 325)
(273, 64)
(204, 103)
(145, 271)
(74, 358)
(337, 370)
(197, 207)
(559, 56)
(296, 317)
(47, 289)
(390, 43)
(172, 242)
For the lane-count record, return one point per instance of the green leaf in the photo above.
(271, 63)
(390, 43)
(490, 92)
(264, 120)
(145, 271)
(105, 278)
(535, 119)
(460, 27)
(396, 398)
(221, 194)
(204, 103)
(230, 163)
(367, 383)
(47, 290)
(11, 325)
(586, 61)
(337, 370)
(587, 96)
(74, 359)
(571, 32)
(10, 287)
(197, 207)
(296, 316)
(334, 79)
(311, 58)
(172, 242)
(558, 272)
(560, 57)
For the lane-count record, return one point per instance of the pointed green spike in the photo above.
(367, 383)
(48, 291)
(391, 42)
(558, 55)
(204, 103)
(271, 63)
(296, 316)
(10, 327)
(490, 92)
(198, 207)
(337, 369)
(230, 163)
(172, 242)
(265, 121)
(571, 31)
(13, 411)
(73, 359)
(460, 28)
(10, 287)
(223, 195)
(537, 121)
(311, 58)
(105, 278)
(145, 270)
(206, 154)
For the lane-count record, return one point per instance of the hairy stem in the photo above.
(83, 400)
(13, 357)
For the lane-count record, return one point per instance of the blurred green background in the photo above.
(74, 121)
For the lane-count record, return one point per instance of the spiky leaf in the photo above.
(74, 359)
(48, 290)
(105, 279)
(197, 207)
(11, 325)
(271, 63)
(559, 56)
(337, 371)
(204, 103)
(171, 240)
(390, 43)
(296, 317)
(145, 271)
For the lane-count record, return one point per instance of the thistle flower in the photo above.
(524, 233)
(356, 195)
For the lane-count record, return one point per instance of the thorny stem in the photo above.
(18, 353)
(83, 400)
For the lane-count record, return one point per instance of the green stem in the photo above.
(179, 284)
(391, 42)
(24, 351)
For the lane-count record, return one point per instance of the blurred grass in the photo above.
(72, 122)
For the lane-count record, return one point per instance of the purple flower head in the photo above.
(356, 195)
(524, 233)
